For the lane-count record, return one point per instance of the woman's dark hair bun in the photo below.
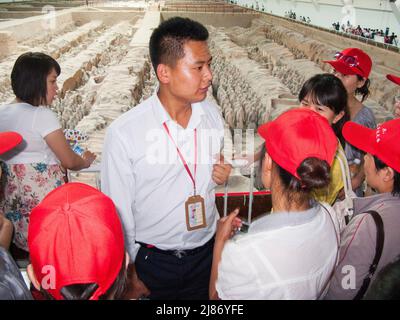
(314, 173)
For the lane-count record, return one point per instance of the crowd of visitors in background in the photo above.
(292, 15)
(369, 33)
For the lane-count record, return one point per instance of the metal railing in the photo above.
(94, 169)
(199, 8)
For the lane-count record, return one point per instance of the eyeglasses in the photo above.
(349, 60)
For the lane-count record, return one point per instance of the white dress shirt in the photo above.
(285, 255)
(144, 176)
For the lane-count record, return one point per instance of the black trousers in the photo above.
(170, 277)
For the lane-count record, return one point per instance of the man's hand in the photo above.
(136, 288)
(221, 171)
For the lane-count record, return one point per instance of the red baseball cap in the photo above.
(352, 61)
(75, 234)
(296, 135)
(382, 142)
(393, 78)
(9, 140)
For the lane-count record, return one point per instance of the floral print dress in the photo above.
(24, 186)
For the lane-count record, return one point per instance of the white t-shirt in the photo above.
(283, 256)
(34, 124)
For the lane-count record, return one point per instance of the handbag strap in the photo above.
(348, 191)
(341, 156)
(380, 239)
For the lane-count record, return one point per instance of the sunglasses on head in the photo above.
(349, 60)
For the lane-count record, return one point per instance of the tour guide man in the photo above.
(159, 166)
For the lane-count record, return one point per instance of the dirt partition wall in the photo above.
(23, 29)
(215, 19)
(20, 30)
(18, 15)
(108, 17)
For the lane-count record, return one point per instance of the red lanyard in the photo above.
(183, 160)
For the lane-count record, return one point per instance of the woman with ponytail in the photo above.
(290, 253)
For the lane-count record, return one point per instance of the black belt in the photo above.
(179, 253)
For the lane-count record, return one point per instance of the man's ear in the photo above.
(163, 73)
(32, 277)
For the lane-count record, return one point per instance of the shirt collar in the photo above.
(162, 115)
(364, 204)
(159, 112)
(279, 220)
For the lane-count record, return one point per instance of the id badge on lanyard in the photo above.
(194, 205)
(195, 213)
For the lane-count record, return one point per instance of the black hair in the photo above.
(29, 77)
(327, 90)
(314, 174)
(84, 291)
(379, 164)
(364, 90)
(167, 40)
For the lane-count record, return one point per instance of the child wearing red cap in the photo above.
(290, 253)
(396, 80)
(371, 240)
(76, 245)
(8, 140)
(353, 66)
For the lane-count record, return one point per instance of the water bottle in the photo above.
(78, 150)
